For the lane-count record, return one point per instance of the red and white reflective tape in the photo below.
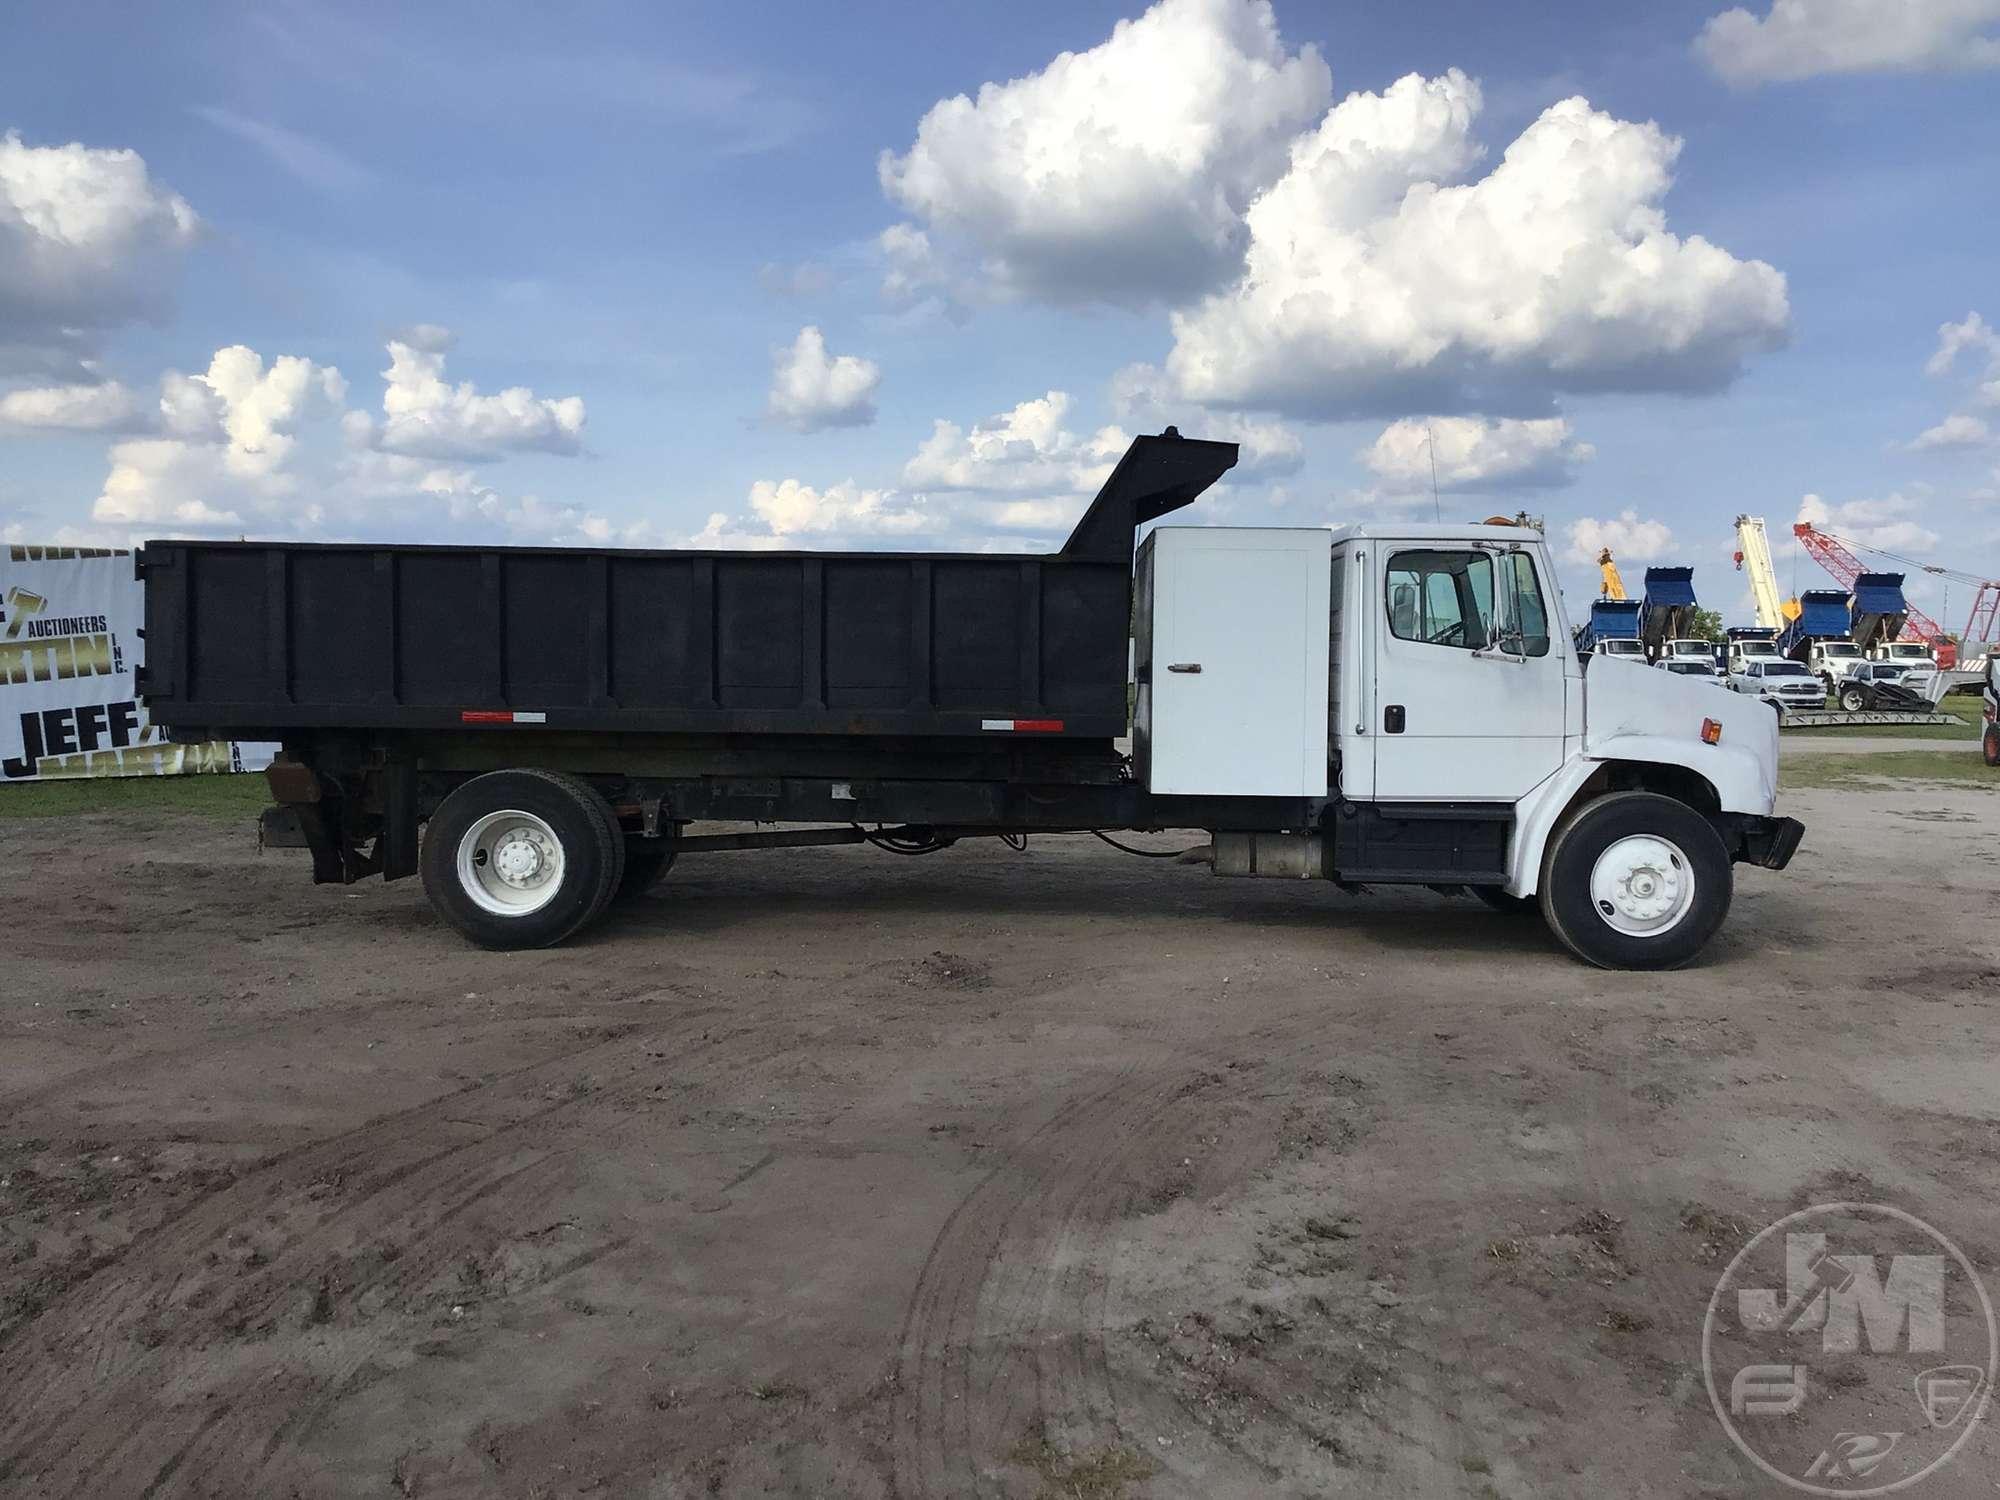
(500, 716)
(1024, 726)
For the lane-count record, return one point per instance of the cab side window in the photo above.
(1446, 599)
(1442, 598)
(1529, 614)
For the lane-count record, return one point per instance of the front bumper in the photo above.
(1770, 842)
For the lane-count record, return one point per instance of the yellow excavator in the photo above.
(1614, 586)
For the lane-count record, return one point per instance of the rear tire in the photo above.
(1851, 700)
(1990, 745)
(1635, 880)
(522, 858)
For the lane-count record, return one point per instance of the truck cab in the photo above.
(1468, 742)
(1753, 650)
(1915, 655)
(1690, 648)
(1833, 661)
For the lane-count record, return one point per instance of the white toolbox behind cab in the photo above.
(1231, 661)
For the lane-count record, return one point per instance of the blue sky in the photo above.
(628, 215)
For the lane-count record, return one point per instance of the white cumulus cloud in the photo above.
(1971, 335)
(1808, 38)
(88, 242)
(1142, 398)
(1477, 453)
(106, 407)
(1117, 174)
(1889, 523)
(1021, 449)
(1376, 281)
(1629, 539)
(232, 434)
(812, 390)
(1958, 430)
(426, 416)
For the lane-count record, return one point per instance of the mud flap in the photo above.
(1769, 842)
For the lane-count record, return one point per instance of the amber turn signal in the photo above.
(1711, 731)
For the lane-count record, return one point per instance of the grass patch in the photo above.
(1956, 767)
(239, 796)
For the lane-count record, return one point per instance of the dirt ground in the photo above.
(832, 1173)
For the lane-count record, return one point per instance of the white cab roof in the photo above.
(1432, 531)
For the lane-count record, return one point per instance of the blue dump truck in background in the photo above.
(1876, 611)
(1819, 638)
(1666, 616)
(1611, 630)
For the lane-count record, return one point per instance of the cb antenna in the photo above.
(1431, 442)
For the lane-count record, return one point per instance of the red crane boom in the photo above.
(1845, 567)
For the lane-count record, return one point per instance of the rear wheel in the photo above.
(1991, 745)
(1635, 881)
(521, 859)
(1851, 699)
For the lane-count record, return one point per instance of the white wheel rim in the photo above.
(511, 863)
(1642, 886)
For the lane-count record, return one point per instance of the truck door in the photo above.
(1469, 700)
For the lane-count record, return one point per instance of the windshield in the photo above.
(1688, 668)
(1786, 669)
(1909, 651)
(1840, 648)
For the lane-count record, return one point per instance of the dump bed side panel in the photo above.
(276, 636)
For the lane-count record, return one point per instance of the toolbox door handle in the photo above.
(1184, 666)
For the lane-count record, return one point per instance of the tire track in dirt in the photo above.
(112, 1373)
(1006, 1326)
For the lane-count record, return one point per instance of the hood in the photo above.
(1632, 712)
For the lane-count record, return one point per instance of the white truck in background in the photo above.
(1832, 662)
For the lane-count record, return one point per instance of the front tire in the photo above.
(1635, 880)
(522, 858)
(1989, 745)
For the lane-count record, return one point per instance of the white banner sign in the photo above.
(69, 644)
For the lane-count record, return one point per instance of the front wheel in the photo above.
(521, 859)
(1635, 880)
(1990, 745)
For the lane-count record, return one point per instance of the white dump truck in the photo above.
(534, 731)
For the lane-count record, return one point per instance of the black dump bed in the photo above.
(255, 639)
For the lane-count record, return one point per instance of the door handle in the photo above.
(1392, 719)
(1184, 666)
